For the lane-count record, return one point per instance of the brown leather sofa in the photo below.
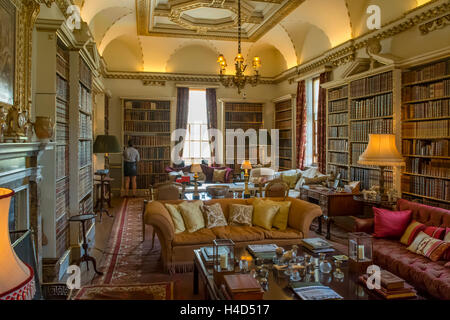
(177, 249)
(419, 271)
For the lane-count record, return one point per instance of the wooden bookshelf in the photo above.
(426, 133)
(284, 122)
(241, 115)
(337, 128)
(147, 124)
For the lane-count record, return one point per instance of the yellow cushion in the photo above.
(263, 213)
(281, 218)
(290, 179)
(411, 231)
(219, 176)
(192, 215)
(177, 218)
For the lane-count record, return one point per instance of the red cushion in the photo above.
(390, 224)
(435, 232)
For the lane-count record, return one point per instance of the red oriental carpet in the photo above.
(154, 291)
(129, 261)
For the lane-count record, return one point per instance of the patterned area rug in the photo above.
(129, 261)
(154, 291)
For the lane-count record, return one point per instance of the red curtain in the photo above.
(182, 110)
(322, 124)
(211, 110)
(301, 124)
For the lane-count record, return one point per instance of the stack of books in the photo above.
(317, 245)
(265, 252)
(392, 287)
(314, 291)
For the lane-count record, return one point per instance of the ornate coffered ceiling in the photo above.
(210, 19)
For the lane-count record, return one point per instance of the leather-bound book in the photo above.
(243, 287)
(391, 281)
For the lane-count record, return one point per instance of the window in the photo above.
(315, 122)
(196, 147)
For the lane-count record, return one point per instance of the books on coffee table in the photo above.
(317, 245)
(265, 252)
(243, 287)
(315, 291)
(392, 287)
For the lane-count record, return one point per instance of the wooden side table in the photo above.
(368, 204)
(332, 203)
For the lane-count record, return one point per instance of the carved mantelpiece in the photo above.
(18, 169)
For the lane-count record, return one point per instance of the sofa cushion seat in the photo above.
(198, 237)
(289, 233)
(418, 270)
(239, 233)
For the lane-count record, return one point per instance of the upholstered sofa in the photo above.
(177, 249)
(419, 271)
(207, 176)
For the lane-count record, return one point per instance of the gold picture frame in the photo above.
(8, 20)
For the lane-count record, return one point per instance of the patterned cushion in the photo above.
(214, 216)
(430, 247)
(177, 218)
(435, 232)
(192, 215)
(219, 176)
(240, 215)
(447, 235)
(411, 232)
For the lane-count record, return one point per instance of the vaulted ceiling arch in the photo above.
(106, 18)
(124, 26)
(91, 8)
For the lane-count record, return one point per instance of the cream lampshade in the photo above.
(246, 165)
(16, 278)
(196, 168)
(381, 151)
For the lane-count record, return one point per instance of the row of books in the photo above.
(284, 163)
(244, 107)
(86, 207)
(429, 187)
(244, 117)
(145, 115)
(62, 161)
(371, 85)
(154, 152)
(426, 147)
(357, 150)
(338, 132)
(427, 129)
(62, 112)
(85, 181)
(285, 153)
(340, 145)
(430, 167)
(361, 129)
(84, 153)
(62, 88)
(430, 109)
(338, 93)
(336, 170)
(370, 178)
(62, 132)
(84, 99)
(148, 105)
(426, 201)
(62, 67)
(338, 106)
(285, 135)
(243, 126)
(162, 140)
(337, 118)
(427, 91)
(337, 157)
(144, 181)
(283, 115)
(152, 166)
(284, 124)
(84, 126)
(85, 74)
(391, 286)
(378, 106)
(430, 72)
(62, 235)
(62, 197)
(146, 126)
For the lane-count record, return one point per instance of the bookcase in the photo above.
(285, 122)
(426, 133)
(357, 106)
(147, 123)
(243, 115)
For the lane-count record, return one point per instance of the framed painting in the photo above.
(7, 51)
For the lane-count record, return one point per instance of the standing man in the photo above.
(130, 157)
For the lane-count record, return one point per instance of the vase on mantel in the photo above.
(44, 127)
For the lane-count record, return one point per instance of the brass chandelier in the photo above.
(239, 80)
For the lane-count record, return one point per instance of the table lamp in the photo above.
(246, 165)
(195, 169)
(381, 151)
(16, 277)
(106, 144)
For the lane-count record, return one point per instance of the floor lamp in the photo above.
(381, 151)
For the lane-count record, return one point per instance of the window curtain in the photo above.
(182, 110)
(301, 124)
(211, 109)
(322, 124)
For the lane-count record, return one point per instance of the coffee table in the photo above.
(348, 287)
